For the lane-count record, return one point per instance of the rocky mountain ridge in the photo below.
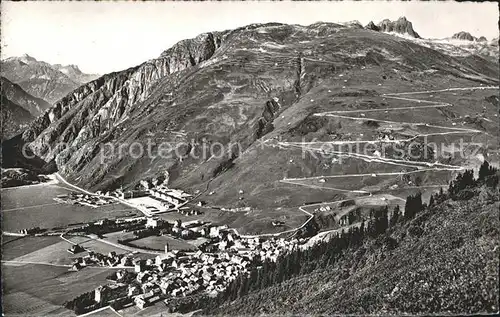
(466, 36)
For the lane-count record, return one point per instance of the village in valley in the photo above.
(144, 276)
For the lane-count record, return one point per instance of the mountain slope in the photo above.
(18, 108)
(445, 261)
(13, 118)
(254, 86)
(41, 79)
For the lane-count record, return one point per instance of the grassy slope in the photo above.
(446, 261)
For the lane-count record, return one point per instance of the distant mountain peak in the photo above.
(70, 69)
(401, 26)
(26, 56)
(372, 26)
(25, 59)
(353, 23)
(465, 36)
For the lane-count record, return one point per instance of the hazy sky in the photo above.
(110, 36)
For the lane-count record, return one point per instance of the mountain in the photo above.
(259, 88)
(467, 46)
(18, 108)
(13, 92)
(372, 26)
(401, 26)
(462, 48)
(14, 118)
(74, 73)
(466, 36)
(42, 79)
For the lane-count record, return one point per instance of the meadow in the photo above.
(34, 206)
(41, 290)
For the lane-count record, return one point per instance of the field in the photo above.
(104, 312)
(42, 284)
(41, 290)
(31, 206)
(51, 250)
(255, 221)
(25, 245)
(101, 247)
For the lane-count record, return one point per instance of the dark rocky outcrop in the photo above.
(372, 26)
(466, 36)
(401, 26)
(265, 122)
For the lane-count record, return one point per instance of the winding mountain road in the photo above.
(420, 166)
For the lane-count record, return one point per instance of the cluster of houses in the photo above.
(322, 209)
(127, 194)
(170, 196)
(386, 135)
(93, 201)
(174, 274)
(161, 198)
(259, 250)
(278, 223)
(112, 259)
(187, 230)
(33, 230)
(191, 229)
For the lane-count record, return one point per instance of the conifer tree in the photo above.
(395, 216)
(431, 201)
